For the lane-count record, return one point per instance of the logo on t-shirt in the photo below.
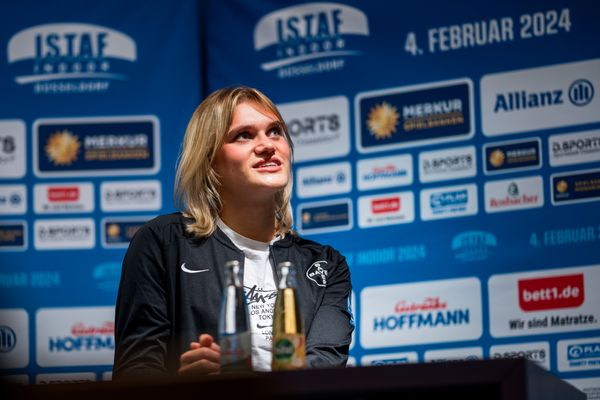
(317, 273)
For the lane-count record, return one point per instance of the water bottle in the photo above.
(234, 323)
(288, 331)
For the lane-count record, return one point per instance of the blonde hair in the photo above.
(196, 181)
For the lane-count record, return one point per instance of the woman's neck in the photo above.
(250, 220)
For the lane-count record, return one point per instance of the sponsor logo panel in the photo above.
(522, 155)
(514, 194)
(70, 57)
(101, 146)
(473, 245)
(575, 187)
(61, 198)
(13, 235)
(12, 149)
(13, 199)
(324, 180)
(574, 148)
(14, 338)
(578, 354)
(414, 115)
(130, 196)
(540, 98)
(65, 377)
(420, 313)
(409, 357)
(117, 232)
(75, 336)
(386, 209)
(446, 164)
(458, 354)
(319, 128)
(329, 216)
(566, 291)
(545, 301)
(449, 202)
(384, 172)
(538, 352)
(54, 234)
(309, 38)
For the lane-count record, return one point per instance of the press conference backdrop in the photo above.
(450, 150)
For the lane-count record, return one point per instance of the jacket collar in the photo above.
(224, 239)
(285, 241)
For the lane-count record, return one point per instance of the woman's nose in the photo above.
(265, 146)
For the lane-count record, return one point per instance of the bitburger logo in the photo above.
(62, 147)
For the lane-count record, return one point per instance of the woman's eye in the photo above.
(242, 136)
(276, 132)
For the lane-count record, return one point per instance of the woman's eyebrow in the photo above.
(240, 128)
(276, 124)
(249, 127)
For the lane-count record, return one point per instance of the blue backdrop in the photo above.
(451, 151)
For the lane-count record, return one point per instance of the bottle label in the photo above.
(288, 351)
(236, 350)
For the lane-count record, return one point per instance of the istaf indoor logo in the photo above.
(70, 57)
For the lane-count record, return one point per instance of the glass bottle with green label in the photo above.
(288, 331)
(234, 323)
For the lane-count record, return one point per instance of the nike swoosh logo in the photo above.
(192, 271)
(259, 326)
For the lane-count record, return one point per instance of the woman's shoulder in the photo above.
(166, 225)
(314, 247)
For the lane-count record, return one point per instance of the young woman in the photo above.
(233, 185)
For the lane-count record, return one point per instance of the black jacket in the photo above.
(161, 309)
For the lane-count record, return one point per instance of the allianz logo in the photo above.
(12, 199)
(318, 180)
(580, 93)
(307, 32)
(65, 51)
(8, 339)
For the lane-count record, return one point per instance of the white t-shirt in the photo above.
(261, 292)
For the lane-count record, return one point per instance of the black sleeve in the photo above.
(142, 326)
(330, 333)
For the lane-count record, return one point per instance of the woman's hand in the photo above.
(202, 358)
